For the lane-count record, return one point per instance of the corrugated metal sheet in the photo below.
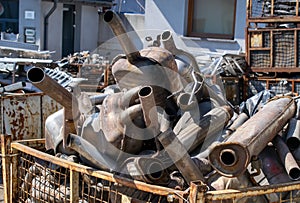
(23, 116)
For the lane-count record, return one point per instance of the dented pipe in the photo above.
(293, 134)
(180, 157)
(287, 159)
(132, 54)
(232, 157)
(54, 90)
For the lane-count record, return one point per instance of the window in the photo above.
(9, 16)
(211, 19)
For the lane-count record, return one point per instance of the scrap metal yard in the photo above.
(156, 124)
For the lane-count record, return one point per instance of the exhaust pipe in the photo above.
(54, 90)
(232, 157)
(115, 23)
(180, 157)
(287, 159)
(293, 134)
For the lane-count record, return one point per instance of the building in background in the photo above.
(68, 26)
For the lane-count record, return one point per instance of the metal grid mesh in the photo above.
(260, 58)
(41, 181)
(284, 49)
(263, 8)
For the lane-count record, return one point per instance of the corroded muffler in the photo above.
(232, 157)
(149, 66)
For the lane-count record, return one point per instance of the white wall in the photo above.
(89, 28)
(54, 28)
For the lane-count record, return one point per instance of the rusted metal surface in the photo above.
(6, 172)
(182, 160)
(59, 94)
(75, 168)
(24, 115)
(232, 157)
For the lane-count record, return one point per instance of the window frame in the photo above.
(190, 32)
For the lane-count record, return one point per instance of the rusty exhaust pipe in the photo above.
(54, 90)
(287, 159)
(180, 157)
(232, 157)
(195, 133)
(293, 134)
(115, 23)
(272, 168)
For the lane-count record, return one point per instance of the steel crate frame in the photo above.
(10, 151)
(196, 193)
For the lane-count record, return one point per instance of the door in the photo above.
(68, 30)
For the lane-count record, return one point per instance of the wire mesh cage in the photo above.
(39, 177)
(42, 177)
(273, 49)
(269, 8)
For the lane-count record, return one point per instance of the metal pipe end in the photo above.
(293, 143)
(35, 75)
(166, 35)
(229, 159)
(294, 173)
(145, 91)
(108, 16)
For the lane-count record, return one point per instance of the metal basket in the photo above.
(31, 175)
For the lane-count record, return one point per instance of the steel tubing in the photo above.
(115, 23)
(286, 157)
(232, 157)
(293, 134)
(209, 125)
(54, 90)
(180, 157)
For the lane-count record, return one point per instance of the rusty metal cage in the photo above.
(273, 50)
(40, 177)
(31, 175)
(273, 8)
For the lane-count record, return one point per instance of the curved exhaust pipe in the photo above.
(131, 52)
(54, 90)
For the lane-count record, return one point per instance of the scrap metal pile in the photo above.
(164, 124)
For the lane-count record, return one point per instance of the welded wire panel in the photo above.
(284, 49)
(260, 58)
(41, 179)
(265, 8)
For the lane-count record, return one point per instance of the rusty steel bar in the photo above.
(115, 23)
(286, 157)
(6, 172)
(180, 157)
(196, 132)
(293, 134)
(50, 87)
(232, 157)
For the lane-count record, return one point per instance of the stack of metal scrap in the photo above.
(163, 123)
